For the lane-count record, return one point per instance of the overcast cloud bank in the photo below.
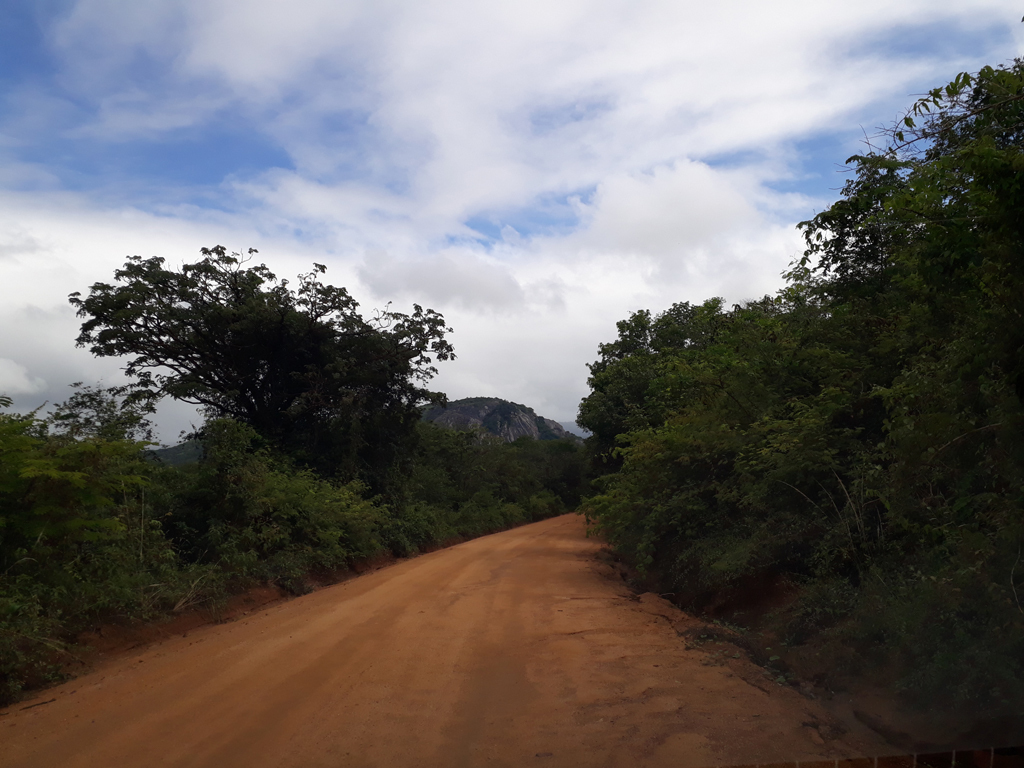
(535, 171)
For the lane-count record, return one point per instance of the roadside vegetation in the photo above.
(312, 457)
(840, 466)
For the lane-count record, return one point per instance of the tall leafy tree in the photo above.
(101, 413)
(622, 398)
(858, 435)
(299, 364)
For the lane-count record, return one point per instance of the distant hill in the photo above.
(507, 420)
(188, 452)
(503, 418)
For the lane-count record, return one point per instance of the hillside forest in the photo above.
(835, 471)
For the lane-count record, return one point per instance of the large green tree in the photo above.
(299, 364)
(858, 436)
(622, 398)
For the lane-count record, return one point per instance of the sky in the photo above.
(536, 171)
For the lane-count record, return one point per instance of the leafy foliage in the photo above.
(860, 433)
(94, 529)
(311, 459)
(471, 485)
(257, 518)
(621, 398)
(301, 366)
(77, 539)
(95, 412)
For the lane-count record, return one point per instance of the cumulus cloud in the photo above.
(16, 380)
(17, 243)
(674, 207)
(453, 277)
(534, 170)
(55, 244)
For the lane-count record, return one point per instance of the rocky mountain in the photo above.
(507, 420)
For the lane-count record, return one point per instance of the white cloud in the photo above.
(55, 244)
(17, 243)
(16, 380)
(671, 209)
(455, 277)
(626, 154)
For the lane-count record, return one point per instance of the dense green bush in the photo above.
(464, 484)
(94, 529)
(860, 434)
(296, 361)
(79, 540)
(256, 517)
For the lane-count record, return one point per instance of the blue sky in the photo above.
(535, 171)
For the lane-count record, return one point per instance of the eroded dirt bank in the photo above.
(521, 648)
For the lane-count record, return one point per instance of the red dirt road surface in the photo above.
(519, 649)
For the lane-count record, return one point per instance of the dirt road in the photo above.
(517, 649)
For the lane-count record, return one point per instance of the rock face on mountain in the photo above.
(509, 421)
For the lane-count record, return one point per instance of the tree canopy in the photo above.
(299, 364)
(857, 436)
